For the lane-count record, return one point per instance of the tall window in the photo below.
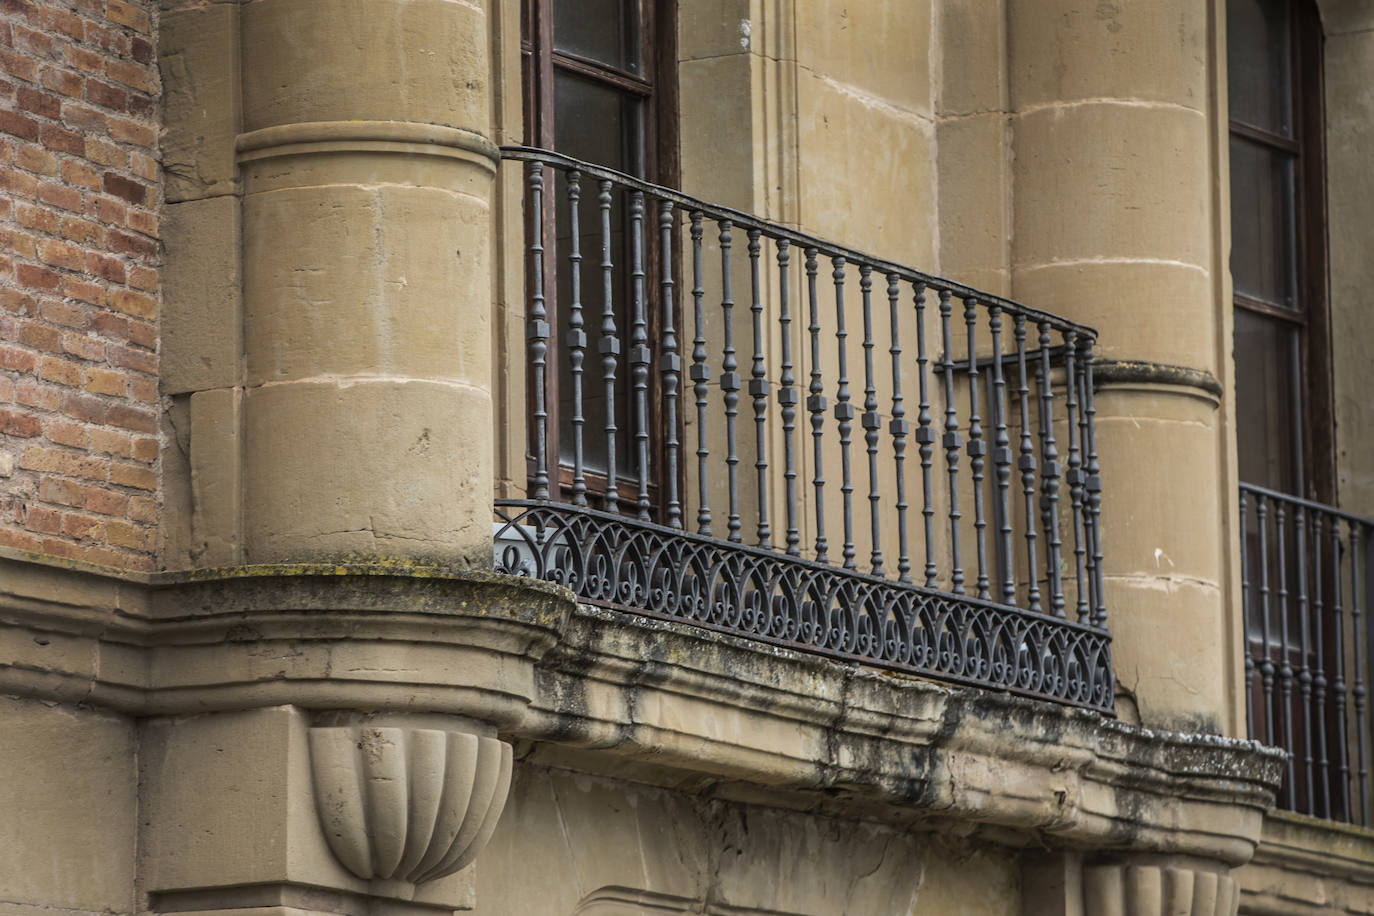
(600, 86)
(1278, 259)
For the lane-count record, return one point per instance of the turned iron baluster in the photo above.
(577, 336)
(1049, 477)
(871, 422)
(1304, 670)
(1285, 659)
(1001, 458)
(898, 427)
(1338, 685)
(1319, 684)
(952, 443)
(639, 352)
(701, 377)
(1026, 464)
(844, 414)
(1075, 475)
(729, 384)
(609, 346)
(1094, 488)
(1356, 643)
(758, 390)
(787, 400)
(1267, 669)
(670, 365)
(538, 331)
(1247, 613)
(925, 436)
(977, 448)
(815, 405)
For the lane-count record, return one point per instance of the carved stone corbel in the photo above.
(402, 804)
(1153, 890)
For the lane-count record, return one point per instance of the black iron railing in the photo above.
(1005, 465)
(1305, 581)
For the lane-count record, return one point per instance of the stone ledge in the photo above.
(1305, 865)
(618, 694)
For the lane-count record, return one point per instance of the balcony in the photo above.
(1305, 579)
(759, 467)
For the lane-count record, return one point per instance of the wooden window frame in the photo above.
(658, 88)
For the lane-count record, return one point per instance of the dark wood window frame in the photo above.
(656, 85)
(1314, 431)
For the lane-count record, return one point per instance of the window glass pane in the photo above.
(1259, 64)
(597, 123)
(1265, 417)
(605, 31)
(1263, 241)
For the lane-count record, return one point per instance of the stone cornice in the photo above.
(366, 136)
(653, 700)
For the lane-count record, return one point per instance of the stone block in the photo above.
(974, 174)
(68, 833)
(878, 51)
(1064, 50)
(215, 483)
(1107, 181)
(198, 55)
(315, 60)
(973, 55)
(377, 467)
(202, 319)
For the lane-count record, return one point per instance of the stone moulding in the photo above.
(401, 806)
(626, 695)
(1152, 890)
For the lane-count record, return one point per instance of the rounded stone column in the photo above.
(367, 287)
(1117, 224)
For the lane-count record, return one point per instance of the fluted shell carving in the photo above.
(403, 806)
(1149, 890)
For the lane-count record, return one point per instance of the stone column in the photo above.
(330, 295)
(1119, 221)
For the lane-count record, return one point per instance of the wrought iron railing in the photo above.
(621, 514)
(1306, 585)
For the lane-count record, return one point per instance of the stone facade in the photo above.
(264, 334)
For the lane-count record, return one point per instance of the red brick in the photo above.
(36, 42)
(112, 442)
(84, 59)
(141, 50)
(130, 302)
(35, 277)
(106, 381)
(17, 360)
(18, 242)
(83, 527)
(145, 450)
(132, 245)
(107, 39)
(144, 335)
(143, 509)
(107, 556)
(20, 540)
(110, 211)
(18, 65)
(34, 159)
(86, 292)
(110, 325)
(40, 218)
(132, 74)
(40, 103)
(23, 425)
(141, 106)
(62, 140)
(60, 254)
(130, 358)
(133, 475)
(74, 172)
(124, 14)
(83, 346)
(141, 421)
(64, 432)
(66, 22)
(82, 231)
(106, 501)
(101, 265)
(62, 371)
(83, 118)
(124, 534)
(23, 8)
(144, 278)
(62, 492)
(103, 94)
(105, 153)
(64, 549)
(144, 221)
(17, 183)
(43, 520)
(12, 122)
(144, 167)
(84, 407)
(131, 131)
(36, 394)
(59, 196)
(63, 81)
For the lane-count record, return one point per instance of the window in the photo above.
(1278, 257)
(600, 86)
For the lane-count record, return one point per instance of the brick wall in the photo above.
(79, 192)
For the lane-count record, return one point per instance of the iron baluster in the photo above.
(729, 384)
(538, 332)
(1075, 474)
(1318, 673)
(758, 390)
(1304, 671)
(639, 351)
(844, 414)
(871, 422)
(953, 443)
(1356, 643)
(1247, 612)
(1001, 457)
(1026, 464)
(1267, 659)
(609, 346)
(787, 401)
(1285, 659)
(701, 378)
(1338, 658)
(669, 365)
(898, 427)
(1093, 485)
(925, 436)
(977, 448)
(1049, 477)
(577, 336)
(815, 405)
